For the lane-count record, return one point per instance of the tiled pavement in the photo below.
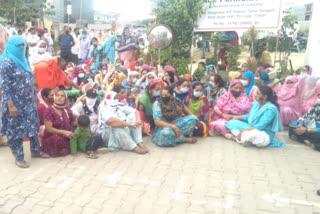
(213, 176)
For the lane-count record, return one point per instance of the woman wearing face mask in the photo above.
(258, 128)
(120, 125)
(310, 95)
(146, 100)
(19, 118)
(215, 89)
(134, 77)
(264, 76)
(247, 80)
(199, 106)
(100, 76)
(45, 97)
(289, 99)
(90, 107)
(69, 68)
(80, 77)
(182, 89)
(233, 102)
(41, 54)
(306, 71)
(58, 120)
(171, 128)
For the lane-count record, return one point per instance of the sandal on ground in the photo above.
(102, 150)
(192, 141)
(22, 164)
(91, 155)
(41, 155)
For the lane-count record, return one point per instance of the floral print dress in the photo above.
(165, 136)
(17, 85)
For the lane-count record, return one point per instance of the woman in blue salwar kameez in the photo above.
(260, 125)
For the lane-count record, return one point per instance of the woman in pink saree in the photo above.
(127, 48)
(310, 93)
(233, 102)
(289, 99)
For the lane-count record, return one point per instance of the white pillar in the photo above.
(312, 56)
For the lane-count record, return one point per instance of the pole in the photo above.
(277, 44)
(68, 19)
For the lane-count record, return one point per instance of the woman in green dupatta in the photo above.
(145, 102)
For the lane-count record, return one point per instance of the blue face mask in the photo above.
(211, 85)
(197, 94)
(136, 67)
(184, 90)
(84, 36)
(156, 94)
(106, 62)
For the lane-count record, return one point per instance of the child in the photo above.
(83, 139)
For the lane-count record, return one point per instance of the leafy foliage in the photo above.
(180, 15)
(21, 11)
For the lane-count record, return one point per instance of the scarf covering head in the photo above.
(133, 73)
(272, 74)
(62, 106)
(108, 48)
(132, 65)
(310, 93)
(75, 72)
(145, 67)
(249, 75)
(209, 66)
(187, 76)
(234, 75)
(172, 112)
(145, 98)
(228, 99)
(124, 84)
(309, 70)
(171, 68)
(111, 107)
(126, 42)
(288, 91)
(39, 43)
(264, 76)
(16, 52)
(41, 100)
(152, 74)
(48, 74)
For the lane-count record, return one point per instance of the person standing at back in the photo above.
(52, 33)
(75, 50)
(66, 41)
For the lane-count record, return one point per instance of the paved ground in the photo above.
(213, 176)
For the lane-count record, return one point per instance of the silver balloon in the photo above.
(160, 36)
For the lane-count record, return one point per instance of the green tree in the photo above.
(21, 11)
(181, 16)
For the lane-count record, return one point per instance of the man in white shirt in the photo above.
(75, 50)
(32, 40)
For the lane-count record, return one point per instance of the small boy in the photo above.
(83, 140)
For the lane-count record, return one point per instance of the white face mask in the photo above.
(244, 82)
(134, 80)
(104, 71)
(70, 69)
(91, 102)
(42, 50)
